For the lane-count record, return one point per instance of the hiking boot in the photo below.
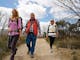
(28, 52)
(51, 50)
(32, 56)
(15, 51)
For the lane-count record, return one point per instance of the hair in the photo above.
(52, 21)
(32, 14)
(15, 15)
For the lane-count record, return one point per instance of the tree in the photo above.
(72, 5)
(61, 23)
(3, 17)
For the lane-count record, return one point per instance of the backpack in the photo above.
(53, 28)
(21, 23)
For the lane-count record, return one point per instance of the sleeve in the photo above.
(56, 28)
(39, 26)
(27, 23)
(9, 22)
(48, 29)
(19, 23)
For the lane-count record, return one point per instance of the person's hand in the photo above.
(46, 36)
(39, 34)
(9, 29)
(20, 34)
(57, 34)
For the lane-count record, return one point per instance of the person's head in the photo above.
(52, 22)
(32, 16)
(14, 13)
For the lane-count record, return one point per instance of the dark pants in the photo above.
(12, 45)
(51, 41)
(31, 42)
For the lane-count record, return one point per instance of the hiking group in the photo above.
(15, 26)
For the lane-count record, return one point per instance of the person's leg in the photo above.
(14, 42)
(13, 46)
(33, 44)
(12, 57)
(9, 42)
(52, 41)
(28, 43)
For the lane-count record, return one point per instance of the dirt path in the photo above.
(42, 52)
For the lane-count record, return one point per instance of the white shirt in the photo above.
(52, 30)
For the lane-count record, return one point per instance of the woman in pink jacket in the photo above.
(14, 30)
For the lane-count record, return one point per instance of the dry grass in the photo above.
(3, 45)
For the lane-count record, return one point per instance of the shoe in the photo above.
(32, 56)
(51, 50)
(15, 52)
(28, 52)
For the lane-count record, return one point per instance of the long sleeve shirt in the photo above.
(14, 25)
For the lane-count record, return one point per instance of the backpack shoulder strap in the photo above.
(10, 19)
(18, 19)
(48, 29)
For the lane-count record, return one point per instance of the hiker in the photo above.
(52, 33)
(14, 31)
(32, 29)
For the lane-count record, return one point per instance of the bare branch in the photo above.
(74, 5)
(69, 8)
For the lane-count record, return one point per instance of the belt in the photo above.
(51, 32)
(30, 32)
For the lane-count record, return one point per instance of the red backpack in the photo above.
(35, 27)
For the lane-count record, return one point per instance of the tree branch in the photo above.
(69, 8)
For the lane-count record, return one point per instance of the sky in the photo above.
(45, 10)
(8, 3)
(29, 6)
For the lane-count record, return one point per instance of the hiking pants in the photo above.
(12, 45)
(51, 41)
(31, 42)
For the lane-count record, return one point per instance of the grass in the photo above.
(3, 45)
(72, 42)
(67, 42)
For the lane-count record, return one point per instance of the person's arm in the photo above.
(47, 31)
(39, 27)
(9, 30)
(57, 31)
(19, 26)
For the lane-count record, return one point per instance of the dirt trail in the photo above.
(42, 52)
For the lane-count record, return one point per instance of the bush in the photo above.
(3, 45)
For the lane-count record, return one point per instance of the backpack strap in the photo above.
(21, 22)
(48, 29)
